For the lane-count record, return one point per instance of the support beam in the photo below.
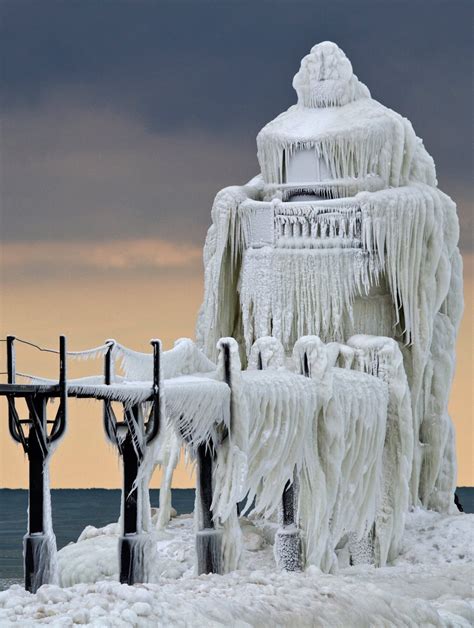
(11, 360)
(288, 505)
(288, 546)
(129, 547)
(36, 457)
(39, 544)
(208, 539)
(131, 437)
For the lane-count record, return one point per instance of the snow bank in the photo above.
(422, 588)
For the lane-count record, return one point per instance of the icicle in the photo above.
(168, 459)
(291, 293)
(196, 405)
(44, 545)
(225, 243)
(89, 354)
(382, 358)
(184, 359)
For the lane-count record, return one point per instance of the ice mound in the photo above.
(326, 79)
(434, 539)
(429, 585)
(95, 556)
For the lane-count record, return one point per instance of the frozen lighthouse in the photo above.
(344, 232)
(313, 404)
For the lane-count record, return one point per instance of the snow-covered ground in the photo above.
(430, 584)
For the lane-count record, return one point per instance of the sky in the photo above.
(121, 121)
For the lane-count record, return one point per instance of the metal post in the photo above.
(227, 369)
(153, 425)
(204, 459)
(108, 361)
(36, 457)
(39, 542)
(14, 425)
(208, 539)
(288, 505)
(131, 447)
(34, 541)
(108, 417)
(130, 471)
(288, 546)
(128, 545)
(11, 360)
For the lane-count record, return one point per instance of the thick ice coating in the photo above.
(325, 78)
(344, 232)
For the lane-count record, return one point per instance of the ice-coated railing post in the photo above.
(11, 359)
(208, 538)
(288, 546)
(132, 449)
(381, 357)
(37, 453)
(128, 450)
(108, 416)
(153, 425)
(311, 360)
(14, 425)
(131, 458)
(39, 544)
(268, 353)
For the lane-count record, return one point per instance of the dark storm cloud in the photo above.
(201, 78)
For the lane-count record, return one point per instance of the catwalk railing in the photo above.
(200, 409)
(39, 436)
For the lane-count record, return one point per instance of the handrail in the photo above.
(153, 424)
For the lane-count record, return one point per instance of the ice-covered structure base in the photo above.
(428, 584)
(323, 441)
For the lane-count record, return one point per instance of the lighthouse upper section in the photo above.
(337, 140)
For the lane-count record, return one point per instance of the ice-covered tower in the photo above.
(344, 232)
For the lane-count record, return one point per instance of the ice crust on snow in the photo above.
(428, 585)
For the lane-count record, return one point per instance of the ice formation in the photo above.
(344, 232)
(330, 420)
(343, 433)
(429, 584)
(330, 423)
(318, 389)
(43, 545)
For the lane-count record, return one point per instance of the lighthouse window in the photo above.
(304, 166)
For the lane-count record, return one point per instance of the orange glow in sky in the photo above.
(133, 307)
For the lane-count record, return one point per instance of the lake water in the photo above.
(73, 510)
